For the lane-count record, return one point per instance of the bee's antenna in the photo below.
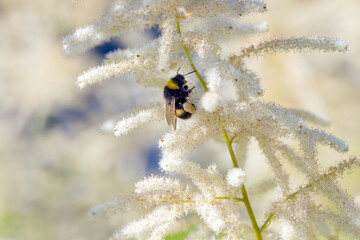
(177, 72)
(190, 72)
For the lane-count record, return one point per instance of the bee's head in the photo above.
(179, 80)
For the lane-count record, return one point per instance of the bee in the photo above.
(176, 94)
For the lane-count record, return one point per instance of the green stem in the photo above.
(186, 51)
(231, 151)
(243, 190)
(232, 139)
(251, 213)
(230, 198)
(267, 222)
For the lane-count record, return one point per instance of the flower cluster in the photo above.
(198, 27)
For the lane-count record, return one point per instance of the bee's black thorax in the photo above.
(175, 87)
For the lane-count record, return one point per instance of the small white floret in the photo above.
(211, 101)
(235, 177)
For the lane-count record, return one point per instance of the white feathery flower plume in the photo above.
(137, 119)
(197, 28)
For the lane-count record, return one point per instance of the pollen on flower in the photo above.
(235, 177)
(212, 167)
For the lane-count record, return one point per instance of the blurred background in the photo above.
(55, 163)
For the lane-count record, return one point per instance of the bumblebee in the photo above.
(176, 94)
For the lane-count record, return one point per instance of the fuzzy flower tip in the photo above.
(235, 177)
(138, 119)
(211, 101)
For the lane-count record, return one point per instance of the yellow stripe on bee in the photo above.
(171, 84)
(179, 112)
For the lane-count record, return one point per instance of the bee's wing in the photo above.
(170, 113)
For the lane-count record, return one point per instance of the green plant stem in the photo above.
(243, 190)
(251, 213)
(231, 151)
(186, 51)
(267, 222)
(230, 198)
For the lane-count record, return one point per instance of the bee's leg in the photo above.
(188, 107)
(189, 91)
